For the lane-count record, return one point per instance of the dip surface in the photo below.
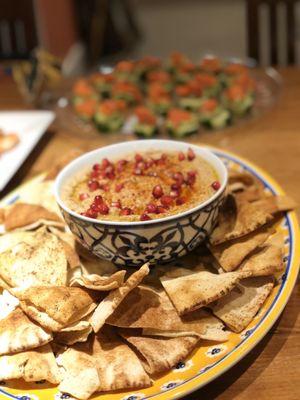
(141, 186)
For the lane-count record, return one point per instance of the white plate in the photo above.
(29, 126)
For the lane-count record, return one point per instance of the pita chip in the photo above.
(239, 217)
(63, 305)
(69, 244)
(76, 333)
(231, 254)
(159, 354)
(153, 311)
(240, 306)
(40, 261)
(80, 376)
(115, 297)
(190, 292)
(99, 282)
(267, 260)
(118, 365)
(32, 366)
(18, 333)
(22, 215)
(60, 164)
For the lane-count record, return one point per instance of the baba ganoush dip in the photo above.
(141, 186)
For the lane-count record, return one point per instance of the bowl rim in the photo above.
(203, 148)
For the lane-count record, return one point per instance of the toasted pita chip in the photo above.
(78, 332)
(152, 310)
(159, 354)
(80, 376)
(18, 333)
(91, 265)
(20, 215)
(71, 255)
(2, 215)
(115, 297)
(10, 240)
(188, 293)
(249, 194)
(266, 261)
(230, 254)
(240, 306)
(8, 303)
(118, 366)
(41, 261)
(241, 177)
(40, 193)
(98, 282)
(239, 217)
(64, 305)
(34, 365)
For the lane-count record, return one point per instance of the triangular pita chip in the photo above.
(239, 217)
(191, 292)
(18, 333)
(115, 297)
(78, 332)
(240, 306)
(99, 282)
(40, 193)
(159, 354)
(230, 254)
(40, 262)
(64, 305)
(152, 310)
(69, 244)
(267, 260)
(33, 365)
(20, 215)
(8, 303)
(80, 376)
(118, 366)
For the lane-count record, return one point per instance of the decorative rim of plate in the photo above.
(265, 323)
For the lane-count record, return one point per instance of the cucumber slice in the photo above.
(108, 124)
(145, 130)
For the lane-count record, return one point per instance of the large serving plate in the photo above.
(211, 359)
(29, 126)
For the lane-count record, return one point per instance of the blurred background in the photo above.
(89, 33)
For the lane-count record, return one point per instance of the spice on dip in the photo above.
(142, 187)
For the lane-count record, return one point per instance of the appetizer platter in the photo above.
(175, 97)
(88, 328)
(20, 132)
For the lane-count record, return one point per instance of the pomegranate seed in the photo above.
(161, 210)
(93, 185)
(120, 165)
(116, 204)
(176, 186)
(151, 208)
(216, 185)
(157, 191)
(181, 156)
(141, 165)
(190, 154)
(103, 208)
(94, 174)
(138, 171)
(91, 214)
(111, 176)
(180, 201)
(98, 199)
(96, 167)
(163, 157)
(145, 217)
(126, 211)
(192, 173)
(119, 187)
(105, 163)
(174, 194)
(94, 207)
(83, 196)
(190, 180)
(178, 176)
(138, 157)
(166, 200)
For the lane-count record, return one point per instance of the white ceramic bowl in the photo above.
(133, 243)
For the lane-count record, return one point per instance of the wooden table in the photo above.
(271, 370)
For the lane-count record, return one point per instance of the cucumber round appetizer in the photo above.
(110, 115)
(181, 123)
(146, 124)
(212, 115)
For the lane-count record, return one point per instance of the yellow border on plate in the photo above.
(238, 353)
